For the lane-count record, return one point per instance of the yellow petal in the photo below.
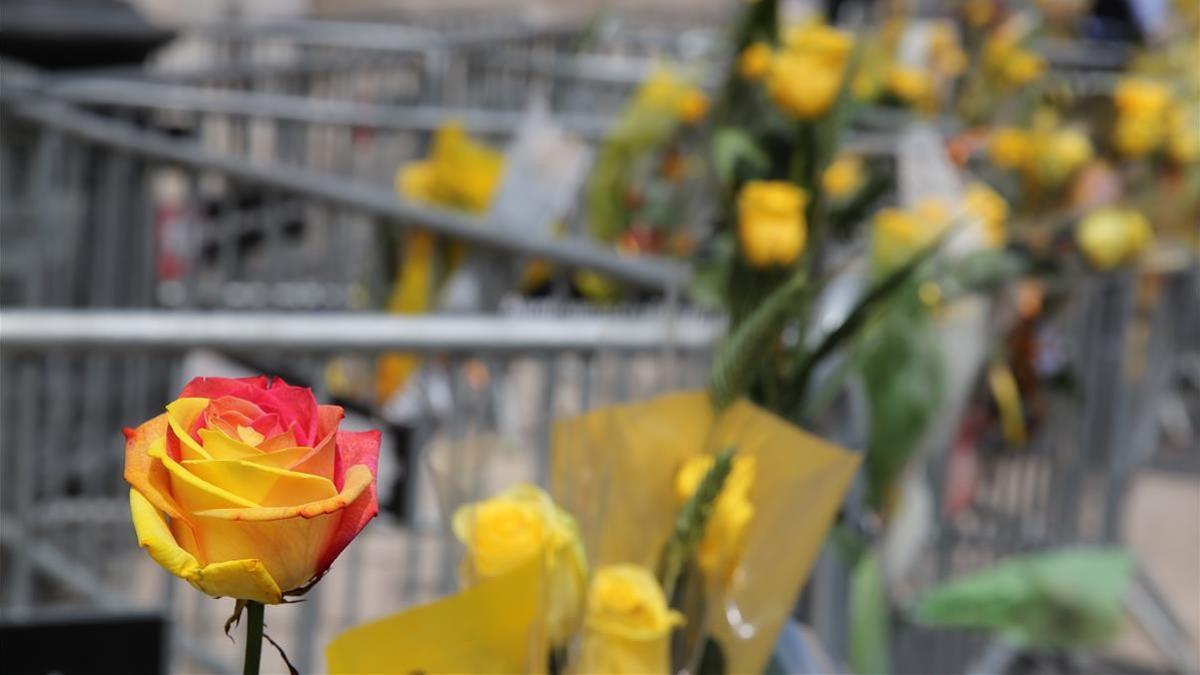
(263, 485)
(282, 459)
(191, 492)
(245, 579)
(250, 436)
(181, 414)
(217, 445)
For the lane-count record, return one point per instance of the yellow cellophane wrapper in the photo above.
(492, 627)
(614, 468)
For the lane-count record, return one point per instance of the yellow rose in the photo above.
(1137, 138)
(460, 173)
(417, 181)
(724, 533)
(909, 85)
(979, 13)
(1141, 98)
(506, 531)
(986, 205)
(771, 225)
(897, 235)
(628, 624)
(803, 85)
(1110, 237)
(844, 177)
(1022, 67)
(1061, 154)
(692, 106)
(1010, 148)
(755, 61)
(824, 43)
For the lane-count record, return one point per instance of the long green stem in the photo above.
(254, 637)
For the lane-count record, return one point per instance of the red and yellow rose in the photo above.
(246, 488)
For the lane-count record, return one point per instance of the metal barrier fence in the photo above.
(479, 420)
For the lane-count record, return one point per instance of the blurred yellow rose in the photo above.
(1141, 98)
(724, 533)
(909, 85)
(508, 530)
(628, 624)
(897, 235)
(755, 61)
(979, 12)
(692, 106)
(826, 44)
(771, 226)
(802, 85)
(1137, 138)
(1010, 147)
(985, 204)
(1112, 236)
(1058, 155)
(1022, 67)
(844, 176)
(460, 173)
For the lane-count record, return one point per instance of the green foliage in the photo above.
(734, 148)
(870, 620)
(1067, 598)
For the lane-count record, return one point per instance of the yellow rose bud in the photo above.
(909, 85)
(1110, 237)
(1141, 98)
(986, 205)
(844, 177)
(755, 61)
(771, 225)
(692, 106)
(502, 533)
(724, 533)
(803, 86)
(1010, 148)
(1023, 67)
(628, 624)
(1063, 153)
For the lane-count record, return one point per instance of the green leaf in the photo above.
(689, 524)
(870, 623)
(1067, 598)
(733, 148)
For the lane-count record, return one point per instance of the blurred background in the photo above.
(211, 188)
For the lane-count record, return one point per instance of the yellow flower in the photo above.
(1062, 153)
(844, 177)
(819, 41)
(910, 85)
(724, 533)
(1022, 67)
(803, 85)
(985, 204)
(771, 225)
(506, 531)
(1010, 147)
(1137, 138)
(897, 235)
(417, 181)
(754, 61)
(1141, 98)
(628, 624)
(460, 173)
(1110, 237)
(692, 106)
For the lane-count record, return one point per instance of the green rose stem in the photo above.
(254, 637)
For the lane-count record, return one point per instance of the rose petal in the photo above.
(181, 414)
(293, 541)
(218, 445)
(262, 484)
(353, 448)
(192, 493)
(281, 441)
(294, 405)
(286, 458)
(246, 579)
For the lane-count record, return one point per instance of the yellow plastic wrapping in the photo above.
(614, 469)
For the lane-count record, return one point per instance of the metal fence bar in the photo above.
(41, 330)
(571, 251)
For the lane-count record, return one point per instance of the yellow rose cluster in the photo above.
(1111, 237)
(1006, 62)
(1149, 120)
(519, 525)
(1047, 156)
(724, 535)
(771, 224)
